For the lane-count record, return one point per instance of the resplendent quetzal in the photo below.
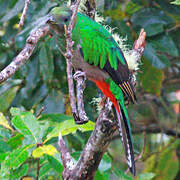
(96, 53)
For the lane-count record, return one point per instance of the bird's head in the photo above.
(58, 18)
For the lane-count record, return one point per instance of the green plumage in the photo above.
(103, 61)
(97, 43)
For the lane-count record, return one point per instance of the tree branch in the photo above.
(23, 16)
(65, 155)
(25, 54)
(94, 149)
(69, 55)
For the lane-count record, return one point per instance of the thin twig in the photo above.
(38, 169)
(25, 54)
(23, 16)
(41, 110)
(69, 55)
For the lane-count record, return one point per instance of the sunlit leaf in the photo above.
(45, 149)
(146, 176)
(69, 126)
(17, 157)
(15, 111)
(16, 141)
(44, 170)
(177, 2)
(3, 156)
(27, 124)
(4, 122)
(161, 164)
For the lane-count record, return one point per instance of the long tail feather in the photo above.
(126, 139)
(124, 127)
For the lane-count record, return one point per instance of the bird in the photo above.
(97, 54)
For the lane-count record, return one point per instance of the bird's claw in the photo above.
(79, 74)
(78, 120)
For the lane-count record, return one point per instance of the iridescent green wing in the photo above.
(98, 44)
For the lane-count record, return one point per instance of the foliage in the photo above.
(27, 139)
(31, 141)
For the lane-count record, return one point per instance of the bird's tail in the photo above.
(123, 122)
(125, 134)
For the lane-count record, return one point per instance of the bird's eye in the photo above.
(66, 19)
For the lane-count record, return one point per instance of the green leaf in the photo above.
(151, 55)
(101, 176)
(120, 174)
(105, 164)
(153, 20)
(5, 133)
(54, 102)
(45, 149)
(15, 111)
(14, 11)
(3, 57)
(7, 97)
(54, 117)
(154, 29)
(27, 124)
(146, 176)
(46, 63)
(151, 78)
(177, 2)
(4, 122)
(164, 43)
(55, 162)
(16, 141)
(69, 126)
(3, 156)
(132, 7)
(9, 84)
(4, 147)
(17, 157)
(161, 164)
(44, 170)
(19, 172)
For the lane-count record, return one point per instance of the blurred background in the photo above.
(42, 82)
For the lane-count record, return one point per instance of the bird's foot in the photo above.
(83, 119)
(79, 74)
